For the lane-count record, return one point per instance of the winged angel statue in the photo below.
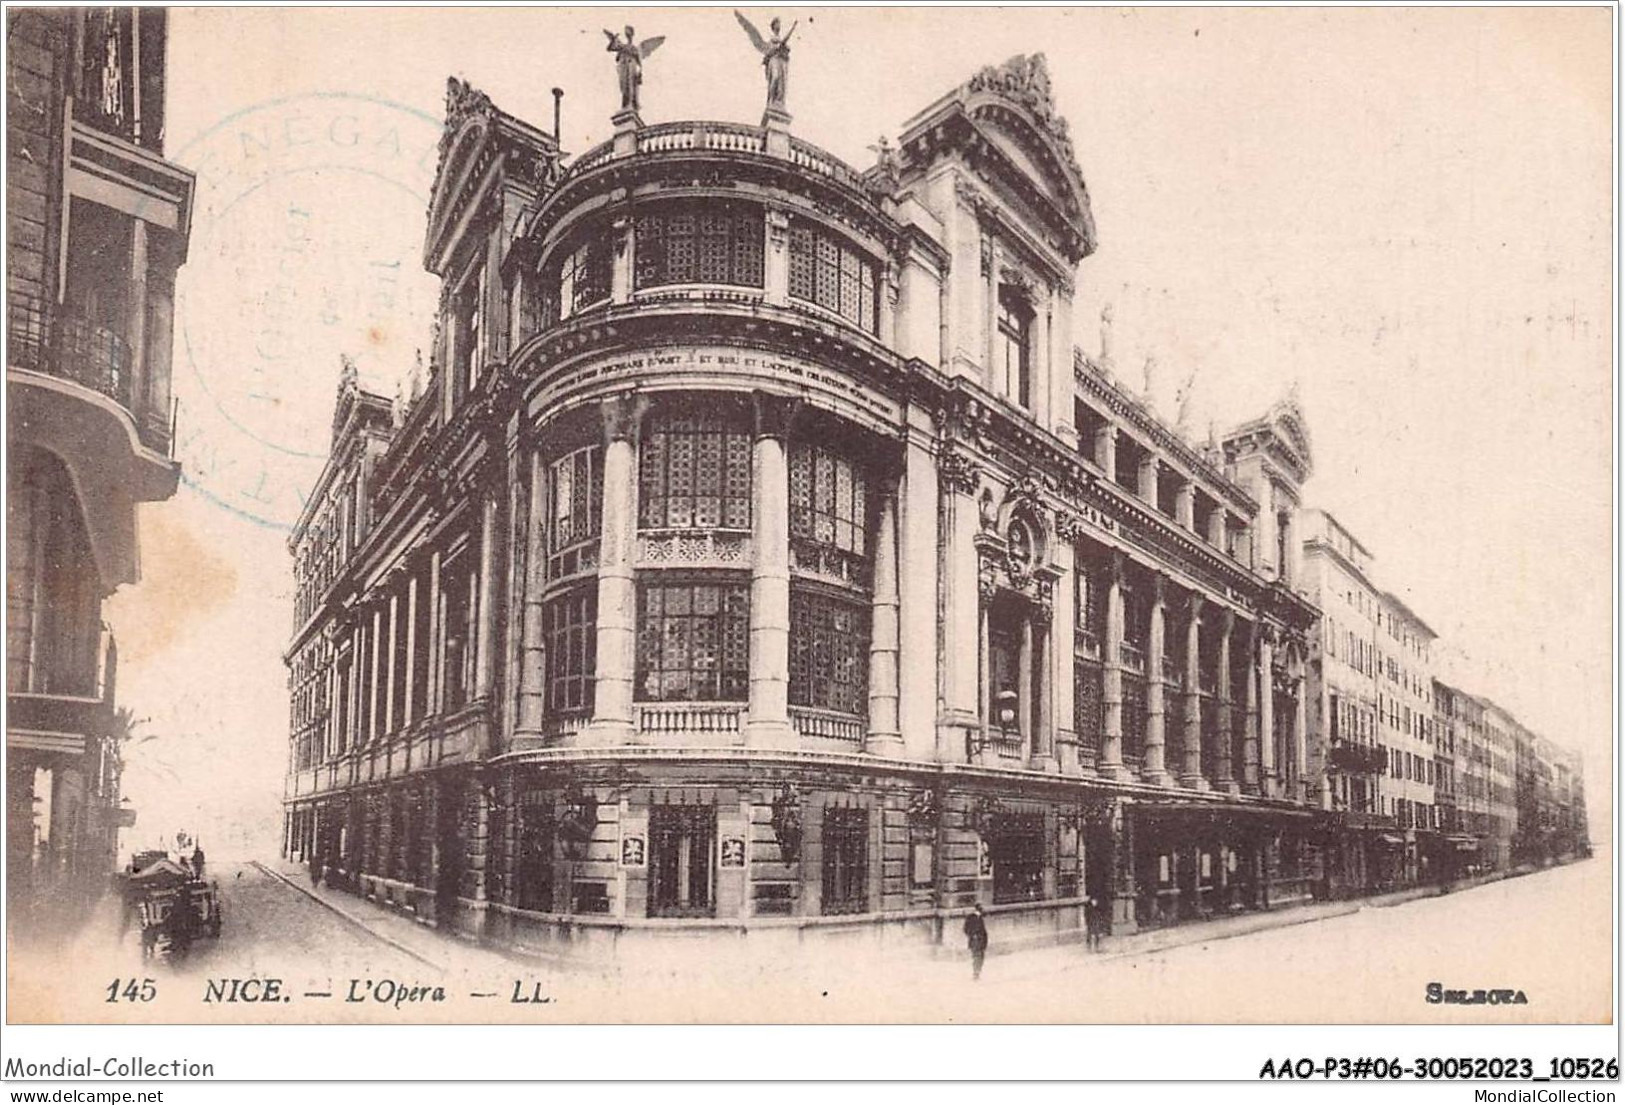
(775, 58)
(629, 57)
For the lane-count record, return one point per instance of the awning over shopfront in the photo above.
(1463, 843)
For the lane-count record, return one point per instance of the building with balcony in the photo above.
(97, 224)
(760, 555)
(1374, 717)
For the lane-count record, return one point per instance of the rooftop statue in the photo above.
(775, 58)
(629, 57)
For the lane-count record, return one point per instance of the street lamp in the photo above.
(1005, 704)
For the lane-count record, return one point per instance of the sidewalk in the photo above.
(401, 931)
(446, 952)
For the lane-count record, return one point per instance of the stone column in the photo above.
(1111, 677)
(1217, 528)
(961, 626)
(1249, 748)
(1106, 449)
(485, 627)
(1185, 505)
(1062, 656)
(1300, 728)
(436, 640)
(885, 738)
(389, 664)
(353, 736)
(769, 719)
(1156, 705)
(372, 678)
(1266, 713)
(1224, 774)
(1191, 766)
(412, 646)
(617, 588)
(1024, 689)
(1147, 480)
(533, 667)
(1123, 890)
(917, 603)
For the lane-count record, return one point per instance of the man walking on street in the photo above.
(976, 937)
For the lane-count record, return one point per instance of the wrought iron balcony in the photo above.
(1357, 759)
(70, 346)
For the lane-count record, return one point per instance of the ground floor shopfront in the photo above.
(601, 850)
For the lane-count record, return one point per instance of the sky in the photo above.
(1404, 213)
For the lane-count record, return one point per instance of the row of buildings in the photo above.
(1425, 781)
(760, 555)
(97, 223)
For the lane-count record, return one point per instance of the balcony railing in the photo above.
(684, 719)
(1359, 759)
(69, 346)
(828, 725)
(730, 137)
(1131, 656)
(91, 354)
(727, 138)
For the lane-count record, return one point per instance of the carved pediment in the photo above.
(1014, 108)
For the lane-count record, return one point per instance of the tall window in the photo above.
(1015, 345)
(533, 866)
(571, 624)
(467, 332)
(717, 243)
(829, 651)
(575, 496)
(829, 497)
(584, 276)
(458, 582)
(53, 630)
(831, 588)
(693, 641)
(827, 270)
(694, 472)
(1017, 851)
(681, 840)
(846, 860)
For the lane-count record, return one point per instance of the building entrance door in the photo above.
(682, 840)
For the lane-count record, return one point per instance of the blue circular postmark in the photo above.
(306, 244)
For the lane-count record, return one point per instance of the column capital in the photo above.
(1117, 568)
(958, 472)
(1193, 604)
(622, 415)
(774, 414)
(1159, 589)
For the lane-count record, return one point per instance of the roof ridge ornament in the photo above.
(1024, 80)
(463, 100)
